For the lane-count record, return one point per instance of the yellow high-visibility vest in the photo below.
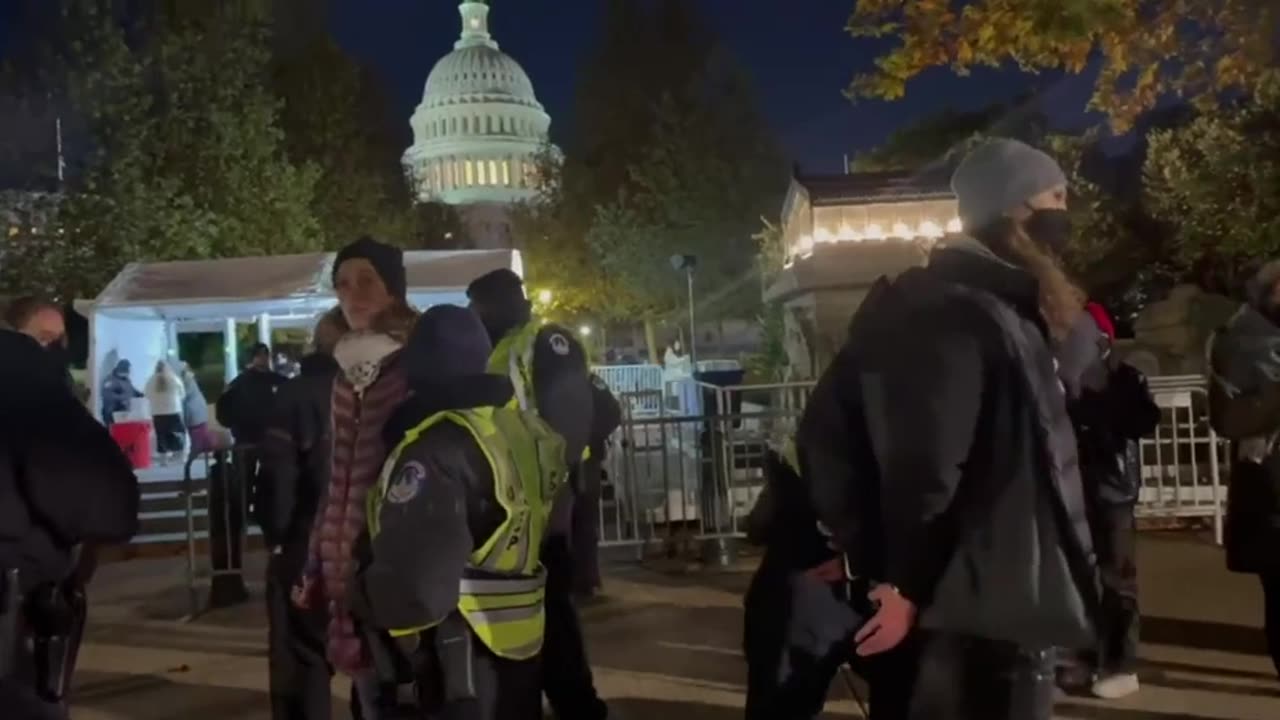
(501, 592)
(513, 357)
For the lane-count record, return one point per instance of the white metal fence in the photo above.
(680, 475)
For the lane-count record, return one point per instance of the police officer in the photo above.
(63, 483)
(548, 369)
(456, 523)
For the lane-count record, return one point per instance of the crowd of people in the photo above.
(954, 518)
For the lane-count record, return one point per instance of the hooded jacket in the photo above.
(63, 480)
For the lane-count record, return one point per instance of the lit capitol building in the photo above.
(478, 132)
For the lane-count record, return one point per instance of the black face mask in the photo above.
(1050, 228)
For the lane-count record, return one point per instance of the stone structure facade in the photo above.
(841, 234)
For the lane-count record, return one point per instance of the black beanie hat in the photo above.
(498, 287)
(387, 261)
(448, 342)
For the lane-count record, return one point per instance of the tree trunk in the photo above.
(651, 339)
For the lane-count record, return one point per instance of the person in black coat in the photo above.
(241, 404)
(987, 561)
(1244, 407)
(295, 473)
(1111, 409)
(64, 483)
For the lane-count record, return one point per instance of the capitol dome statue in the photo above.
(478, 132)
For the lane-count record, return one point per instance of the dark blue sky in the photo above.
(797, 53)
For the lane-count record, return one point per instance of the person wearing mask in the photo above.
(165, 393)
(295, 470)
(118, 392)
(451, 570)
(1111, 408)
(195, 412)
(240, 409)
(64, 483)
(549, 373)
(1244, 407)
(374, 319)
(987, 554)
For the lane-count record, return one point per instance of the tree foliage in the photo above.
(670, 156)
(1147, 48)
(1214, 183)
(185, 154)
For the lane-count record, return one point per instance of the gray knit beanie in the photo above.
(998, 176)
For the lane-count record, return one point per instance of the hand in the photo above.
(894, 618)
(300, 594)
(831, 571)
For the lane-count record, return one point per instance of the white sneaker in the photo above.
(1114, 687)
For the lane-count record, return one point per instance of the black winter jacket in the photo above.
(63, 479)
(409, 574)
(241, 407)
(1109, 423)
(981, 503)
(295, 453)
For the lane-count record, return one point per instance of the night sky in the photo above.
(797, 53)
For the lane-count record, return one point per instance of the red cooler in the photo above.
(134, 438)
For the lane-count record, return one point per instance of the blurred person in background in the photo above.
(165, 393)
(195, 412)
(1111, 409)
(243, 407)
(1244, 406)
(118, 392)
(295, 472)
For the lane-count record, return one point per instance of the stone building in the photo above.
(478, 133)
(842, 233)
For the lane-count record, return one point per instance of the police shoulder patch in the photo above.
(559, 344)
(407, 483)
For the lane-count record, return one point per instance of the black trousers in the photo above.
(1115, 538)
(169, 431)
(299, 672)
(18, 696)
(504, 690)
(566, 674)
(1271, 622)
(964, 678)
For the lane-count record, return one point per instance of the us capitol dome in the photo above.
(478, 132)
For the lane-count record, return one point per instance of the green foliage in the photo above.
(1147, 49)
(769, 364)
(1214, 182)
(334, 118)
(671, 157)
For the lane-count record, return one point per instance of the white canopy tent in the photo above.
(143, 310)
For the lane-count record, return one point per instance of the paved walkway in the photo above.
(665, 647)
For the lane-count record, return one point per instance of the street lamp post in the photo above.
(687, 263)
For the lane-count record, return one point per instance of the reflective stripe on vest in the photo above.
(513, 357)
(501, 591)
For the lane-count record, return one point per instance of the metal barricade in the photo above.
(1182, 460)
(693, 477)
(217, 512)
(698, 476)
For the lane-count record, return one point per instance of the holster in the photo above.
(10, 620)
(456, 658)
(51, 613)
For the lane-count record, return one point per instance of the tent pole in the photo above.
(229, 350)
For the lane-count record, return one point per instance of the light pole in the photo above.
(687, 263)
